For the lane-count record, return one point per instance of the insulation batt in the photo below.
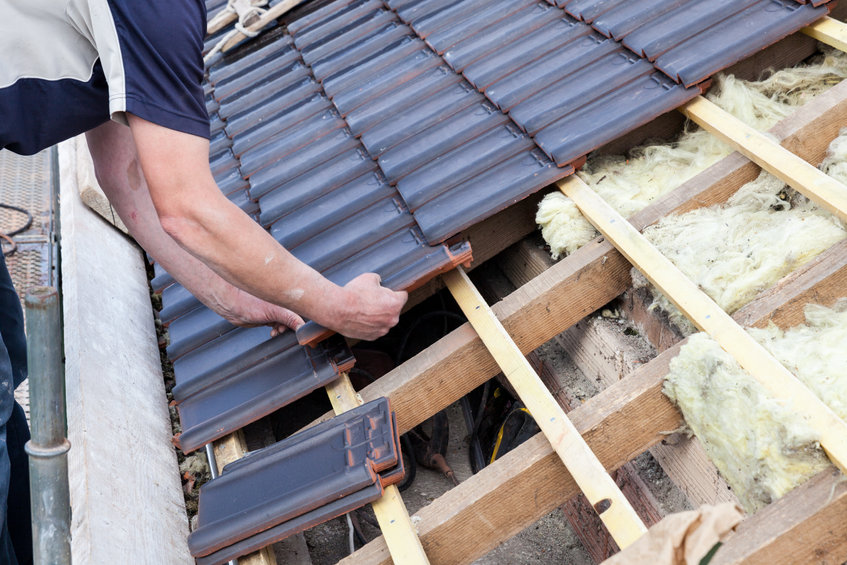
(736, 250)
(759, 445)
(630, 183)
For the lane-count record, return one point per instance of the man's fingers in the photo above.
(292, 320)
(372, 277)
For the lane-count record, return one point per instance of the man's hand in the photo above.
(242, 309)
(160, 184)
(371, 310)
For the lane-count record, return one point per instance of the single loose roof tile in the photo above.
(280, 483)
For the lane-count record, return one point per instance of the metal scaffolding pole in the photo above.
(48, 448)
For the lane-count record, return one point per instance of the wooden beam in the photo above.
(459, 362)
(820, 281)
(709, 317)
(830, 31)
(605, 356)
(808, 525)
(602, 492)
(394, 522)
(619, 423)
(771, 156)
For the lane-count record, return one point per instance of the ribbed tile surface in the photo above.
(369, 131)
(416, 118)
(550, 71)
(298, 482)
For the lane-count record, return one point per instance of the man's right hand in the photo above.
(370, 310)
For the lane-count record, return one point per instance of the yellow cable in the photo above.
(500, 434)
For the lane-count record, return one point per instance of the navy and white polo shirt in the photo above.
(67, 66)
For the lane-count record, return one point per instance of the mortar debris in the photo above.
(193, 468)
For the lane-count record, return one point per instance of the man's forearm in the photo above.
(240, 251)
(123, 183)
(193, 211)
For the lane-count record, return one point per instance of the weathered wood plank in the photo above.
(587, 526)
(808, 525)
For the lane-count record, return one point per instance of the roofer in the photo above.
(98, 66)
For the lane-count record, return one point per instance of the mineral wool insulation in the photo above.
(630, 183)
(735, 250)
(760, 446)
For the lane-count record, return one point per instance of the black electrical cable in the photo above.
(412, 467)
(8, 236)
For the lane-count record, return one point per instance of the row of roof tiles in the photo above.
(369, 131)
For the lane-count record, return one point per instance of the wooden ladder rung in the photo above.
(602, 492)
(709, 317)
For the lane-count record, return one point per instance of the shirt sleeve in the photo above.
(151, 53)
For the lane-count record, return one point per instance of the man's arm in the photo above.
(120, 176)
(210, 228)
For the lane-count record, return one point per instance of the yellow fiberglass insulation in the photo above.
(759, 445)
(630, 183)
(735, 250)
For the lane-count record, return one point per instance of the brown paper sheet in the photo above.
(683, 538)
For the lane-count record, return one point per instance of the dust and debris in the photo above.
(193, 468)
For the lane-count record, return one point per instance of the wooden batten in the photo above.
(830, 31)
(602, 492)
(774, 158)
